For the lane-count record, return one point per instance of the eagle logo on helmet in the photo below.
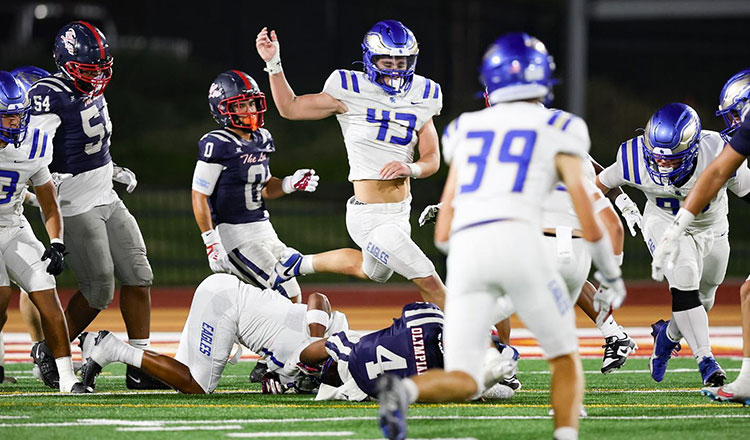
(215, 91)
(69, 40)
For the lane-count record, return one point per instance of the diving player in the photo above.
(232, 179)
(504, 160)
(710, 185)
(226, 310)
(664, 163)
(384, 112)
(24, 157)
(103, 237)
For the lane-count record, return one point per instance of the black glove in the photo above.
(56, 254)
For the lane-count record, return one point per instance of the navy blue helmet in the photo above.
(28, 75)
(81, 53)
(732, 100)
(15, 109)
(515, 67)
(670, 142)
(390, 39)
(231, 98)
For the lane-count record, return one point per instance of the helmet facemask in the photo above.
(393, 73)
(245, 111)
(90, 79)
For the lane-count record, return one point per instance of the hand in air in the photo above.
(395, 170)
(267, 44)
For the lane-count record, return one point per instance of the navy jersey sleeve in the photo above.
(46, 98)
(741, 139)
(212, 149)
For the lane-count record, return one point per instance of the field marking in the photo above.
(180, 428)
(290, 434)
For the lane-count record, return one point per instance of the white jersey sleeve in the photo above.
(449, 141)
(40, 177)
(626, 169)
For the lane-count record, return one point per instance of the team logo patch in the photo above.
(69, 40)
(215, 91)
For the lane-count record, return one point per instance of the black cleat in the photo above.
(46, 362)
(80, 388)
(616, 352)
(260, 369)
(137, 379)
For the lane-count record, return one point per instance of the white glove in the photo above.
(429, 214)
(31, 200)
(218, 260)
(58, 178)
(630, 212)
(667, 249)
(302, 180)
(609, 296)
(126, 177)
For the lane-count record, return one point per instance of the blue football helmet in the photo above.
(28, 75)
(390, 40)
(229, 93)
(670, 143)
(81, 53)
(15, 109)
(515, 67)
(732, 100)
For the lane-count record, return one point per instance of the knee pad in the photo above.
(100, 296)
(685, 299)
(685, 276)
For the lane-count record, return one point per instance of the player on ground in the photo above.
(232, 179)
(504, 160)
(664, 163)
(225, 310)
(384, 112)
(730, 162)
(23, 158)
(103, 237)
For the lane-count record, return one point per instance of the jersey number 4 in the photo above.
(384, 121)
(507, 155)
(386, 361)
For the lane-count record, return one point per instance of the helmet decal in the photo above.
(69, 40)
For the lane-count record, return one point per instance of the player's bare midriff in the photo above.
(382, 191)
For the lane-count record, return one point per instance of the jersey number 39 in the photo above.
(506, 155)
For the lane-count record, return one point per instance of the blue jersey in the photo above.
(410, 346)
(236, 198)
(83, 134)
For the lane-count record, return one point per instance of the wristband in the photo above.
(683, 219)
(208, 237)
(56, 240)
(287, 186)
(619, 258)
(316, 316)
(273, 66)
(416, 170)
(623, 201)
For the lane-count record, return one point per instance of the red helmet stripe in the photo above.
(96, 35)
(242, 75)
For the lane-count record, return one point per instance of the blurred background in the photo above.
(617, 61)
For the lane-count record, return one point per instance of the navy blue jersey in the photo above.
(237, 196)
(410, 346)
(82, 138)
(741, 139)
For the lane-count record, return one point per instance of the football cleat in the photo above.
(711, 372)
(43, 358)
(80, 388)
(101, 356)
(260, 369)
(4, 378)
(664, 349)
(137, 379)
(86, 344)
(505, 389)
(616, 352)
(286, 268)
(728, 393)
(394, 405)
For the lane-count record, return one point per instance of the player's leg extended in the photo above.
(91, 262)
(254, 260)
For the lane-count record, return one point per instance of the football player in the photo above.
(226, 310)
(411, 345)
(24, 157)
(232, 179)
(384, 112)
(664, 164)
(103, 237)
(504, 160)
(706, 193)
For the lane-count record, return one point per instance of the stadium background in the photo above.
(167, 54)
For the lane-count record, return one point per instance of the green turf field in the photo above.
(624, 405)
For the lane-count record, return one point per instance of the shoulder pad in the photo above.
(216, 145)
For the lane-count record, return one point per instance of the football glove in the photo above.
(58, 178)
(602, 305)
(429, 214)
(126, 177)
(56, 255)
(611, 293)
(302, 180)
(270, 383)
(218, 260)
(666, 251)
(630, 212)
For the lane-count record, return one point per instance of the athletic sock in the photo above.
(673, 332)
(143, 344)
(412, 392)
(610, 328)
(65, 370)
(565, 433)
(693, 325)
(129, 354)
(306, 265)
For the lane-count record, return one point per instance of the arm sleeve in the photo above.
(205, 177)
(41, 177)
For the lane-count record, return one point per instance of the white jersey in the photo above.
(664, 201)
(20, 167)
(380, 128)
(505, 158)
(558, 208)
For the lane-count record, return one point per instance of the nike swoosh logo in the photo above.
(723, 393)
(416, 103)
(623, 351)
(134, 379)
